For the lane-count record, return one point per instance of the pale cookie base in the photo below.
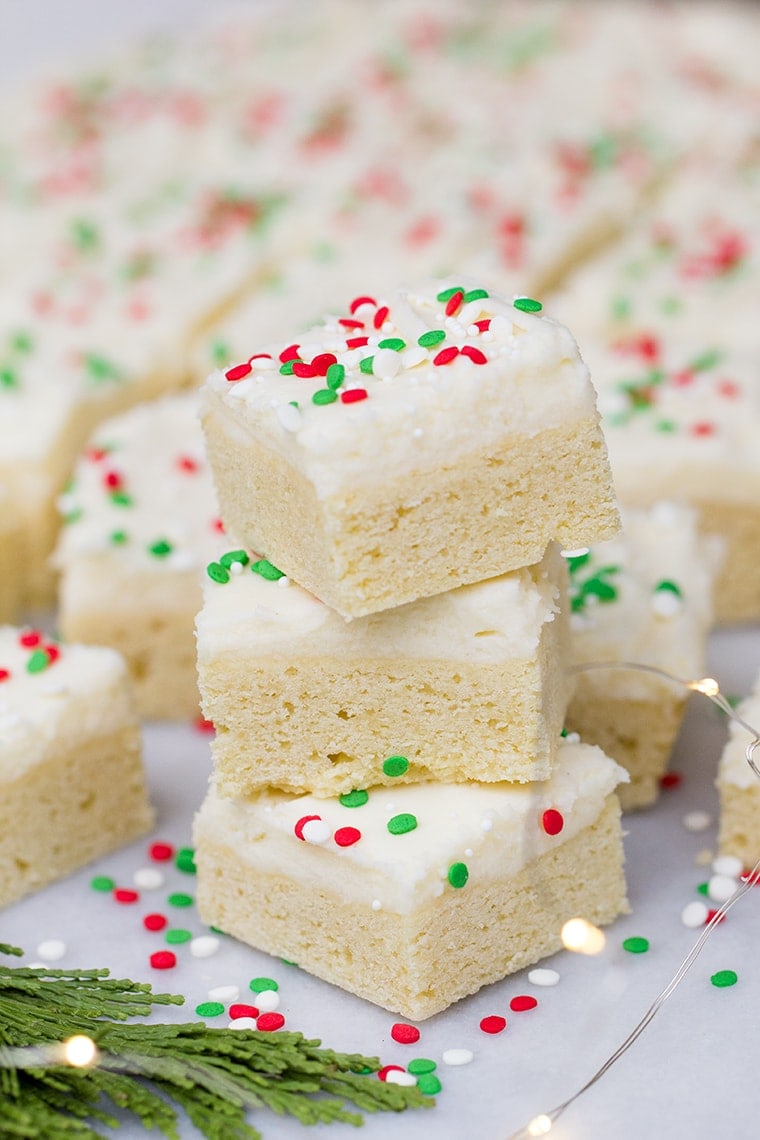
(418, 964)
(83, 800)
(451, 719)
(11, 569)
(639, 734)
(148, 618)
(739, 832)
(373, 548)
(737, 588)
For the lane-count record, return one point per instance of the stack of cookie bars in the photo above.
(383, 653)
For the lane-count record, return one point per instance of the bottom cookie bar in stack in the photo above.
(415, 896)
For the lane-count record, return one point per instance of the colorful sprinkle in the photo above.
(209, 1009)
(522, 1002)
(185, 860)
(265, 569)
(204, 946)
(431, 338)
(240, 1009)
(400, 824)
(161, 852)
(421, 1065)
(125, 897)
(552, 821)
(179, 899)
(395, 766)
(723, 978)
(428, 1084)
(527, 305)
(636, 945)
(269, 1022)
(177, 936)
(405, 1034)
(258, 985)
(347, 836)
(458, 874)
(493, 1024)
(163, 960)
(102, 883)
(155, 922)
(357, 798)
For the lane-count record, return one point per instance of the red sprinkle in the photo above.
(160, 852)
(292, 352)
(711, 915)
(353, 395)
(217, 525)
(30, 639)
(321, 363)
(405, 1034)
(484, 325)
(95, 454)
(155, 921)
(239, 1009)
(187, 463)
(683, 379)
(200, 724)
(359, 301)
(703, 429)
(728, 389)
(383, 1073)
(552, 821)
(238, 371)
(671, 780)
(303, 370)
(348, 323)
(113, 480)
(347, 836)
(267, 1022)
(163, 960)
(475, 355)
(446, 355)
(357, 341)
(453, 303)
(125, 895)
(53, 652)
(4, 674)
(298, 829)
(522, 1002)
(493, 1024)
(751, 877)
(380, 316)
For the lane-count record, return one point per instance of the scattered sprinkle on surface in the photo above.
(636, 945)
(723, 978)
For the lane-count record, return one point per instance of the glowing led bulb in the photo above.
(539, 1125)
(707, 685)
(582, 936)
(79, 1051)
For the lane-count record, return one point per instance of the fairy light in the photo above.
(79, 1051)
(708, 687)
(583, 937)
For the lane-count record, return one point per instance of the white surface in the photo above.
(692, 1074)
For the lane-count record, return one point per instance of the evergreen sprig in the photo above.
(214, 1075)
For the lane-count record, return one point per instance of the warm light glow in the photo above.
(80, 1051)
(539, 1126)
(707, 685)
(582, 936)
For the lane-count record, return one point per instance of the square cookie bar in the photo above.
(739, 788)
(416, 897)
(404, 448)
(140, 523)
(72, 785)
(645, 597)
(470, 684)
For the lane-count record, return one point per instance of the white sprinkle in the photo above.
(376, 904)
(240, 389)
(665, 604)
(457, 1056)
(720, 888)
(416, 354)
(289, 417)
(149, 878)
(500, 328)
(283, 582)
(694, 915)
(572, 738)
(264, 364)
(204, 946)
(316, 831)
(728, 865)
(224, 993)
(386, 364)
(696, 820)
(52, 950)
(267, 1000)
(394, 1077)
(417, 433)
(486, 825)
(468, 852)
(242, 1023)
(577, 553)
(543, 977)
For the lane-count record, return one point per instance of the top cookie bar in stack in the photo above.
(408, 446)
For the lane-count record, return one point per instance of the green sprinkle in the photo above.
(429, 339)
(724, 978)
(421, 1065)
(667, 426)
(324, 396)
(458, 874)
(447, 294)
(234, 556)
(102, 883)
(22, 342)
(575, 561)
(429, 1084)
(704, 888)
(100, 368)
(177, 935)
(563, 733)
(216, 930)
(73, 516)
(600, 589)
(259, 984)
(287, 962)
(184, 860)
(666, 586)
(220, 352)
(38, 661)
(85, 235)
(161, 548)
(366, 365)
(394, 342)
(266, 569)
(621, 308)
(527, 305)
(357, 798)
(217, 572)
(209, 1009)
(636, 945)
(335, 376)
(707, 360)
(286, 369)
(475, 295)
(180, 899)
(8, 378)
(670, 306)
(395, 766)
(118, 537)
(121, 499)
(400, 824)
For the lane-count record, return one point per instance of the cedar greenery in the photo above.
(214, 1075)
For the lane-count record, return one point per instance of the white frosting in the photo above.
(734, 767)
(417, 413)
(496, 830)
(82, 693)
(494, 620)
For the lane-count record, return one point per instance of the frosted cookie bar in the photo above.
(409, 447)
(644, 597)
(140, 523)
(467, 685)
(739, 788)
(10, 585)
(72, 785)
(415, 897)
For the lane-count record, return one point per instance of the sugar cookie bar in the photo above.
(739, 788)
(467, 685)
(140, 523)
(644, 597)
(10, 586)
(406, 448)
(415, 897)
(72, 785)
